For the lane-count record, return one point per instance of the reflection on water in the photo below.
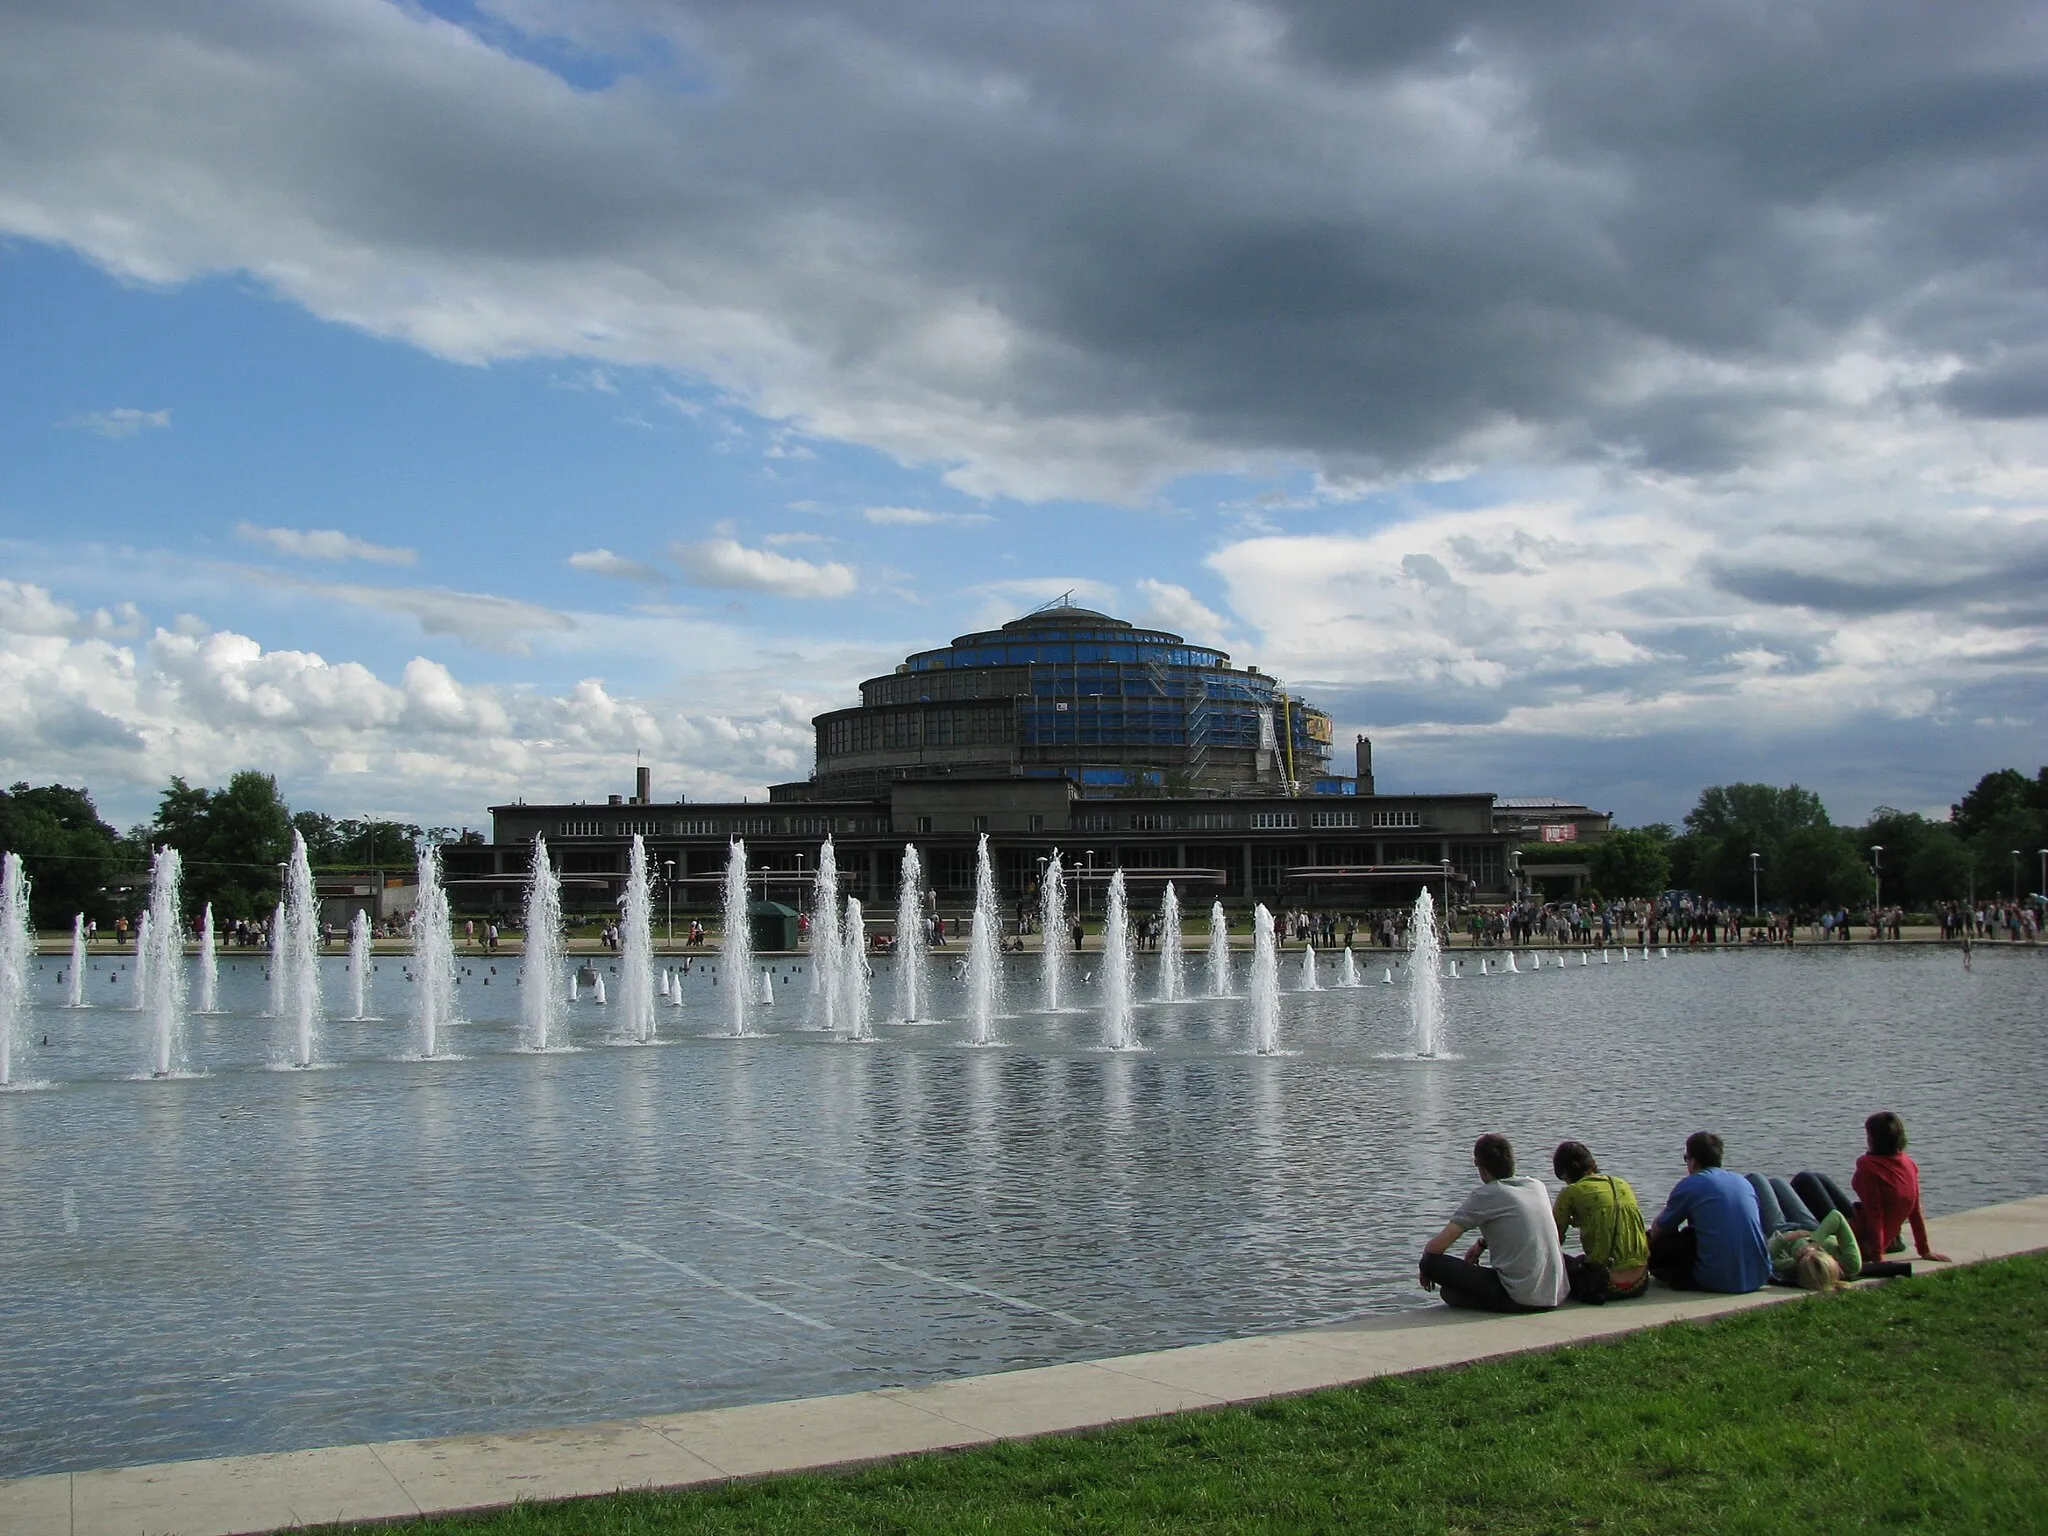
(257, 1259)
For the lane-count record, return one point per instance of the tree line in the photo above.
(1806, 863)
(231, 839)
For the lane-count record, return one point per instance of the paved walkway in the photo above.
(235, 1494)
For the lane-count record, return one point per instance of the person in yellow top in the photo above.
(1615, 1263)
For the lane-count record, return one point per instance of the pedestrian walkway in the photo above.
(234, 1494)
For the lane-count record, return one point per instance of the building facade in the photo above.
(1069, 693)
(1068, 731)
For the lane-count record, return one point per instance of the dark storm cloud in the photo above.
(1361, 234)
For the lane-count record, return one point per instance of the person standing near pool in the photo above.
(1512, 1213)
(1709, 1236)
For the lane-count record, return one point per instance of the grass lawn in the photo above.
(1921, 1405)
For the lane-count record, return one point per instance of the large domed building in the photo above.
(1124, 748)
(1069, 693)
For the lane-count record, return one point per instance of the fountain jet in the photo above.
(1219, 951)
(76, 999)
(1347, 969)
(138, 981)
(433, 957)
(636, 950)
(1172, 983)
(1054, 938)
(302, 956)
(854, 973)
(911, 957)
(1425, 987)
(540, 1000)
(209, 963)
(736, 943)
(984, 950)
(1308, 969)
(1262, 1003)
(1119, 1025)
(17, 952)
(166, 965)
(827, 986)
(358, 961)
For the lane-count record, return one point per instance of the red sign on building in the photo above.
(1562, 832)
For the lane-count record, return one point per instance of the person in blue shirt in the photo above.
(1710, 1235)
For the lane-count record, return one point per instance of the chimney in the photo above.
(643, 784)
(611, 799)
(1365, 766)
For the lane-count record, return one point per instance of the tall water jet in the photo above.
(1308, 969)
(433, 956)
(540, 996)
(1512, 969)
(636, 950)
(1425, 987)
(17, 957)
(76, 999)
(166, 965)
(765, 992)
(1118, 1024)
(827, 982)
(273, 1007)
(1347, 969)
(209, 963)
(1219, 951)
(1054, 939)
(302, 956)
(854, 973)
(1172, 981)
(911, 954)
(358, 963)
(1262, 1004)
(736, 943)
(139, 978)
(985, 950)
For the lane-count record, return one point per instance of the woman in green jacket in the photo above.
(1611, 1232)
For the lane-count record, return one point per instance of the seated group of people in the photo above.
(1718, 1231)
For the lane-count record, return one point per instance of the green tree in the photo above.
(1631, 863)
(233, 839)
(1802, 858)
(71, 856)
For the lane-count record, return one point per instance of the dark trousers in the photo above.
(1672, 1257)
(1822, 1194)
(1476, 1287)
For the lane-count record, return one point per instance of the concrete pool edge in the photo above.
(234, 1495)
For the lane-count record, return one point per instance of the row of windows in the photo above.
(900, 730)
(1055, 652)
(1267, 821)
(1393, 819)
(1333, 818)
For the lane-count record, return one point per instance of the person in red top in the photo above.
(1887, 1185)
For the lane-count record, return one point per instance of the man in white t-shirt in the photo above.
(1512, 1213)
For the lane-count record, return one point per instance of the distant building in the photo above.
(1122, 748)
(1069, 693)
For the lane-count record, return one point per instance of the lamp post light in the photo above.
(668, 896)
(2043, 892)
(1755, 907)
(1514, 874)
(1087, 881)
(2015, 876)
(1877, 875)
(1446, 865)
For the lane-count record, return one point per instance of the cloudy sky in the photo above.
(433, 403)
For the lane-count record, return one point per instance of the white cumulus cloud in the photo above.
(919, 517)
(730, 564)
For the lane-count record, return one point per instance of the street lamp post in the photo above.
(1876, 876)
(1514, 874)
(1446, 864)
(668, 895)
(2015, 876)
(2043, 892)
(1087, 881)
(1755, 907)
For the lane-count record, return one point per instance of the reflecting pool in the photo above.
(251, 1258)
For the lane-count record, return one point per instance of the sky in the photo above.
(439, 404)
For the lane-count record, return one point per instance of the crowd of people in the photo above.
(1718, 1230)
